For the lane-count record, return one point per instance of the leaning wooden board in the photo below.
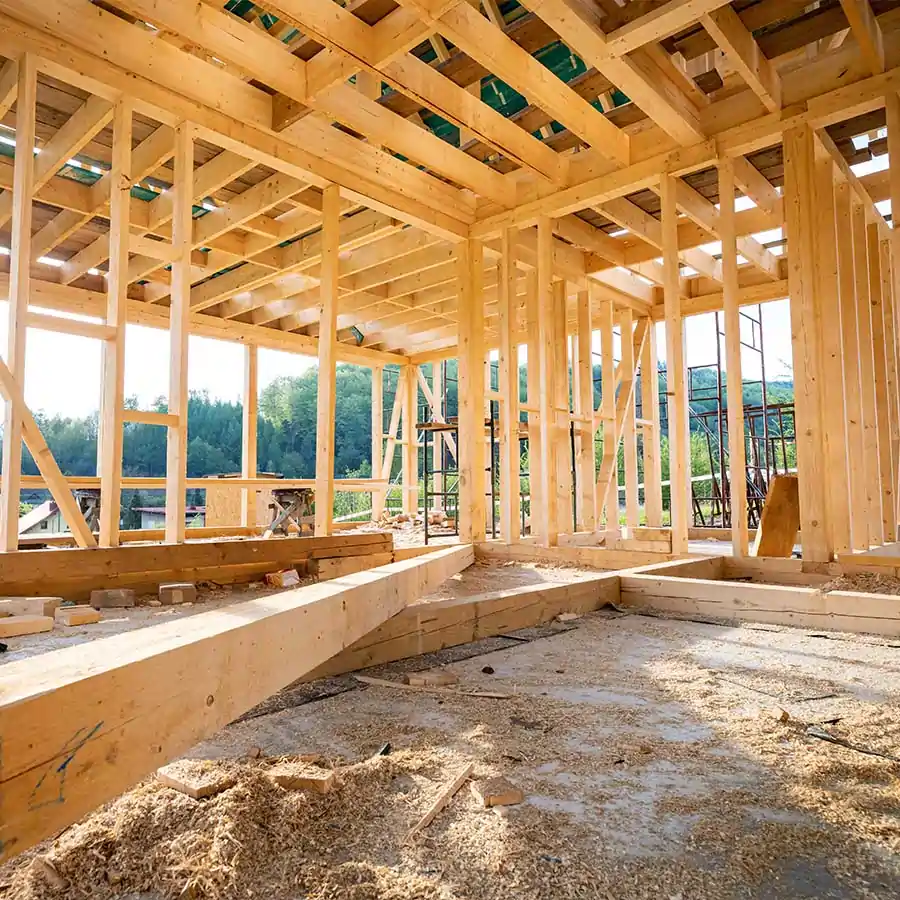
(72, 573)
(80, 725)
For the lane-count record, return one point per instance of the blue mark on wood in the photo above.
(53, 780)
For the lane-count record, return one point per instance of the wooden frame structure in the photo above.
(398, 183)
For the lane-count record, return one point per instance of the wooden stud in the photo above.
(869, 408)
(629, 434)
(329, 274)
(680, 504)
(409, 386)
(834, 409)
(19, 290)
(737, 454)
(378, 437)
(510, 501)
(805, 325)
(651, 431)
(890, 426)
(182, 225)
(583, 370)
(548, 513)
(561, 419)
(112, 398)
(471, 391)
(249, 421)
(608, 496)
(533, 375)
(852, 388)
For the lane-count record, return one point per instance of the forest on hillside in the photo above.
(286, 428)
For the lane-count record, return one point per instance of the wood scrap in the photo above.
(29, 606)
(198, 778)
(381, 682)
(77, 615)
(302, 777)
(498, 791)
(18, 626)
(431, 679)
(443, 799)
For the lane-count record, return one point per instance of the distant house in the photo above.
(155, 516)
(43, 519)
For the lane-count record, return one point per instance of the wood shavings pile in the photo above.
(864, 582)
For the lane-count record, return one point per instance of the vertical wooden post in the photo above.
(378, 496)
(892, 435)
(471, 387)
(112, 379)
(510, 501)
(834, 408)
(533, 377)
(584, 407)
(892, 110)
(325, 401)
(629, 435)
(879, 360)
(800, 213)
(565, 512)
(410, 386)
(437, 445)
(854, 448)
(610, 499)
(869, 410)
(19, 289)
(651, 430)
(547, 514)
(680, 504)
(249, 419)
(737, 458)
(182, 236)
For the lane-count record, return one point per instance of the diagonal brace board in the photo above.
(78, 726)
(47, 465)
(624, 408)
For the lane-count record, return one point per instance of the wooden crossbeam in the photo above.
(866, 31)
(76, 732)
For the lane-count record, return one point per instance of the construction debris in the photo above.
(17, 626)
(442, 800)
(177, 592)
(77, 615)
(497, 791)
(284, 578)
(431, 679)
(381, 682)
(45, 871)
(112, 598)
(29, 606)
(822, 735)
(198, 778)
(299, 776)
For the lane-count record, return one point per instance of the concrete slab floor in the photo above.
(663, 759)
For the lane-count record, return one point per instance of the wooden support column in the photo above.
(676, 381)
(19, 288)
(470, 275)
(182, 237)
(565, 511)
(868, 405)
(112, 380)
(800, 223)
(651, 430)
(737, 453)
(879, 360)
(834, 407)
(892, 434)
(250, 417)
(325, 401)
(409, 385)
(510, 501)
(378, 437)
(892, 110)
(854, 450)
(608, 495)
(387, 463)
(533, 377)
(583, 370)
(548, 512)
(437, 446)
(629, 434)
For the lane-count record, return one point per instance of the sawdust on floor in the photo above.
(656, 759)
(865, 582)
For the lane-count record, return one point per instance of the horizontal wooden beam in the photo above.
(149, 417)
(80, 725)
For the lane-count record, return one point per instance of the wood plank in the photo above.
(205, 671)
(249, 423)
(651, 431)
(510, 501)
(780, 518)
(866, 31)
(548, 514)
(583, 393)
